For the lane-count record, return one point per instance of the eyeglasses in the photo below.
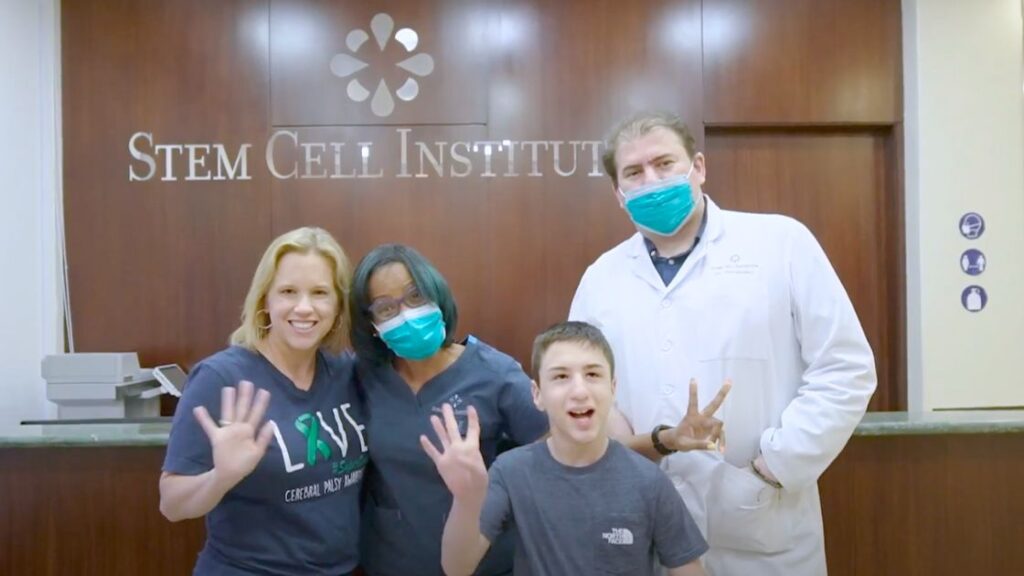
(385, 308)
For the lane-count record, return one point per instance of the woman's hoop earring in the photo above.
(269, 323)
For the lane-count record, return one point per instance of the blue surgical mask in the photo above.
(416, 333)
(662, 207)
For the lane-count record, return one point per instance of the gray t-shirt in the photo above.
(612, 517)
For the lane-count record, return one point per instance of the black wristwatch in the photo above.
(658, 446)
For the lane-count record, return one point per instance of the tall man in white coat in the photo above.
(716, 295)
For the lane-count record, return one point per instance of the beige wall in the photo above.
(964, 109)
(29, 120)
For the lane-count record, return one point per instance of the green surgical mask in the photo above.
(662, 207)
(415, 334)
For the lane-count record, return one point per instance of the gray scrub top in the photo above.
(407, 500)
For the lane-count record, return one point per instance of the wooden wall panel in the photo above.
(306, 34)
(513, 247)
(574, 68)
(839, 184)
(802, 62)
(160, 267)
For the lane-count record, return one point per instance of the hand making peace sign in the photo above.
(698, 430)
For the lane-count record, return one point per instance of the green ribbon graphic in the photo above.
(310, 428)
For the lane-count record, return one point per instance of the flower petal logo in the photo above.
(344, 65)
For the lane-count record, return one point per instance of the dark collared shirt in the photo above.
(668, 266)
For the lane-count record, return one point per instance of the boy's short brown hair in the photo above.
(571, 331)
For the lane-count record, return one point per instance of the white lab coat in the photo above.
(757, 302)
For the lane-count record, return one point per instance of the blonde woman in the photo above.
(276, 463)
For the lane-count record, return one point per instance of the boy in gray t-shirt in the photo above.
(580, 502)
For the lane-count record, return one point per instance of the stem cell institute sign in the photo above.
(286, 156)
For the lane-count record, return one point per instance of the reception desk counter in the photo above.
(930, 494)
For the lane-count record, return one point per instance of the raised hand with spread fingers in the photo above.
(459, 461)
(237, 448)
(461, 466)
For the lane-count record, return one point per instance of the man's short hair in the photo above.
(638, 125)
(571, 331)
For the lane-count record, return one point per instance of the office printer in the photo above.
(107, 385)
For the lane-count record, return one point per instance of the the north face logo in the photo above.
(344, 65)
(620, 536)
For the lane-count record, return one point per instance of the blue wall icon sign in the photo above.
(974, 298)
(972, 225)
(973, 262)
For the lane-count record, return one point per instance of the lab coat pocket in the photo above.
(744, 513)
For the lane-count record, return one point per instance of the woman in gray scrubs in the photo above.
(403, 330)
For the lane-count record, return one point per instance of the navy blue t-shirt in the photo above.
(297, 513)
(408, 501)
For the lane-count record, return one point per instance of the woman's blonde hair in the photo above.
(302, 240)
